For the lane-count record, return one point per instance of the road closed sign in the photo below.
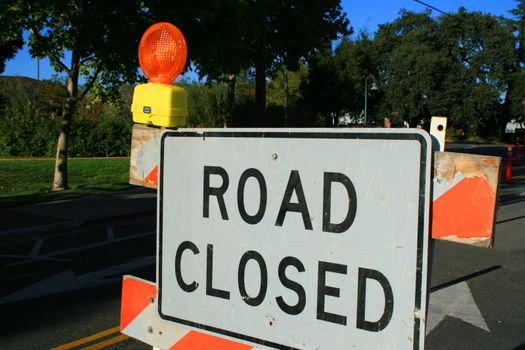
(296, 238)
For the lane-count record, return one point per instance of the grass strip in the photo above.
(25, 181)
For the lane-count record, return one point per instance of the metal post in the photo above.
(374, 87)
(366, 96)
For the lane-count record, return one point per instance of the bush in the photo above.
(109, 135)
(28, 134)
(29, 126)
(207, 105)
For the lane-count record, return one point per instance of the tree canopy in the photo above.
(10, 33)
(464, 65)
(229, 36)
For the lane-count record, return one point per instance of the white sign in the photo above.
(296, 238)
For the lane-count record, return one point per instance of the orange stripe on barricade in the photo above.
(201, 341)
(136, 296)
(471, 204)
(153, 177)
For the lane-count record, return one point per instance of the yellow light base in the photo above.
(160, 105)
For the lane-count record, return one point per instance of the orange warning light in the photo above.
(162, 53)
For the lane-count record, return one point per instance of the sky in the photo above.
(363, 15)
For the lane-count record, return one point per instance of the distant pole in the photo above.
(38, 69)
(366, 99)
(374, 87)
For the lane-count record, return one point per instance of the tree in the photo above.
(321, 89)
(410, 66)
(229, 36)
(284, 85)
(355, 61)
(456, 65)
(286, 32)
(482, 49)
(219, 42)
(514, 104)
(98, 38)
(10, 33)
(336, 82)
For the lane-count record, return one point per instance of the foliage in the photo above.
(10, 33)
(207, 105)
(230, 36)
(29, 123)
(92, 33)
(336, 81)
(482, 49)
(284, 79)
(462, 65)
(410, 66)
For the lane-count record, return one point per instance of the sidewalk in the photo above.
(75, 212)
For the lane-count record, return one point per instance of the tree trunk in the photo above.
(60, 178)
(260, 79)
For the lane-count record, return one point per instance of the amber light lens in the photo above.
(162, 53)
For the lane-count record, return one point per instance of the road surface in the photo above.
(60, 287)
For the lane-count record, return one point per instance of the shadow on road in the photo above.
(43, 263)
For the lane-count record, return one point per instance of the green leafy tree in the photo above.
(285, 32)
(219, 45)
(207, 105)
(284, 91)
(514, 104)
(320, 90)
(456, 65)
(227, 37)
(93, 39)
(357, 69)
(482, 53)
(410, 66)
(10, 33)
(336, 82)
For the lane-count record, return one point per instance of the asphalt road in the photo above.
(63, 284)
(476, 299)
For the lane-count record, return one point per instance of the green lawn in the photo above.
(29, 181)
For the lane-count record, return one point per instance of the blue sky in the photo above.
(363, 15)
